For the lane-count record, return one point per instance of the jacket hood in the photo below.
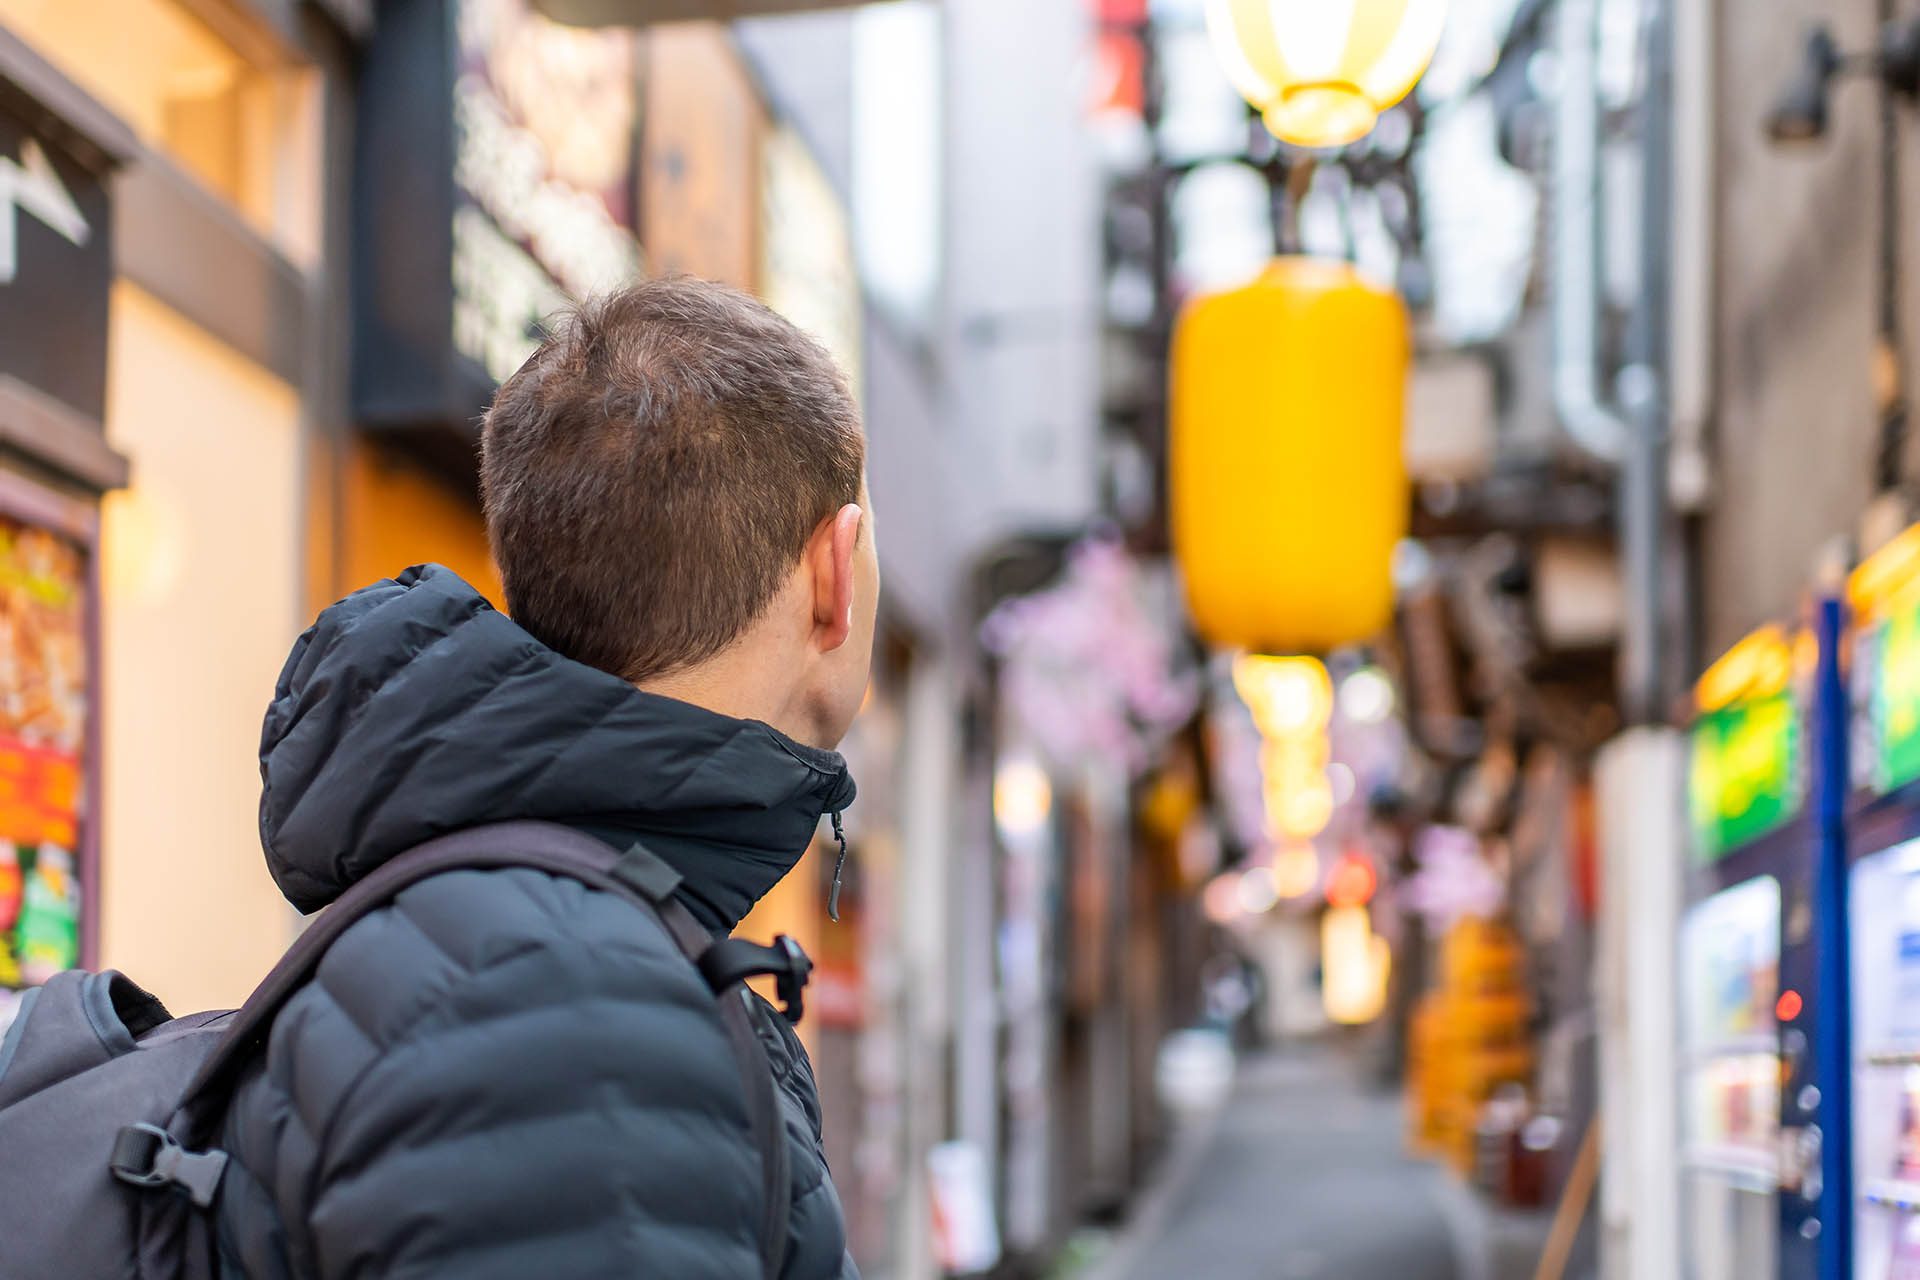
(413, 708)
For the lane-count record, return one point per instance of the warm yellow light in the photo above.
(1300, 812)
(1022, 797)
(1321, 71)
(145, 542)
(1291, 699)
(1288, 763)
(1296, 870)
(1354, 964)
(1288, 696)
(1887, 578)
(1758, 666)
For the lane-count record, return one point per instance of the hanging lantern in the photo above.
(1355, 963)
(1352, 881)
(1321, 71)
(1289, 489)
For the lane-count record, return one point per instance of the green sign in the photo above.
(1895, 706)
(1744, 776)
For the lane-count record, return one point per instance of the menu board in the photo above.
(43, 727)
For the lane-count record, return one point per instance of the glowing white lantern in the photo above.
(1355, 963)
(1322, 71)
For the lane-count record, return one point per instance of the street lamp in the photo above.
(1800, 114)
(1320, 72)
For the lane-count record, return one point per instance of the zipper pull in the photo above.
(839, 865)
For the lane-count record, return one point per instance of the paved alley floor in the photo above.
(1304, 1176)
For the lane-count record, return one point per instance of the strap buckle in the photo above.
(731, 961)
(790, 983)
(145, 1155)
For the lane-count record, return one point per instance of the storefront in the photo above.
(58, 151)
(169, 216)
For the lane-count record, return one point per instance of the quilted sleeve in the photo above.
(541, 1087)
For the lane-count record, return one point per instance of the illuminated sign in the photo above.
(1889, 661)
(545, 121)
(58, 149)
(496, 183)
(1745, 776)
(807, 269)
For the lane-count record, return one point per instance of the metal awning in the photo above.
(639, 13)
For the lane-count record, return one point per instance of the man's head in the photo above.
(674, 493)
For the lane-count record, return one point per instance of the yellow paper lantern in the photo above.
(1321, 71)
(1288, 485)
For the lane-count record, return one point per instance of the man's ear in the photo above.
(830, 552)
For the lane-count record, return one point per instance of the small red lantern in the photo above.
(1352, 881)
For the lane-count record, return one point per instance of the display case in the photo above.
(1884, 907)
(1763, 783)
(1883, 913)
(1730, 1051)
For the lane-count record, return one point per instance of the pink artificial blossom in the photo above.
(1089, 674)
(1455, 880)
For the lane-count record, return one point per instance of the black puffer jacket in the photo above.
(506, 1074)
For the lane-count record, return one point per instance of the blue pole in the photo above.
(1833, 1032)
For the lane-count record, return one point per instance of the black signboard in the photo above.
(56, 260)
(494, 181)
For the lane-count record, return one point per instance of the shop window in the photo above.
(243, 122)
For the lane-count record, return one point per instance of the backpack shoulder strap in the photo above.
(637, 875)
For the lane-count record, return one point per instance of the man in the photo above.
(505, 1073)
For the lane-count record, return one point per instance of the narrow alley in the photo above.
(1304, 1175)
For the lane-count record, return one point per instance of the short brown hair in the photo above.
(655, 468)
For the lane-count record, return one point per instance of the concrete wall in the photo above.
(982, 418)
(1023, 262)
(1794, 418)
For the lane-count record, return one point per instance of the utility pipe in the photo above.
(1594, 427)
(1631, 437)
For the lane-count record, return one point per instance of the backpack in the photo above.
(108, 1104)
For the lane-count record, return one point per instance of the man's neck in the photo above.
(731, 683)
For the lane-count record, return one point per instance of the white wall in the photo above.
(202, 591)
(982, 416)
(1023, 273)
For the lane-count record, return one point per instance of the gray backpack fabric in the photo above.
(107, 1104)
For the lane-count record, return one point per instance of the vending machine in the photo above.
(1883, 911)
(1749, 1100)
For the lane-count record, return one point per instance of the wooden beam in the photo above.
(186, 247)
(98, 138)
(35, 425)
